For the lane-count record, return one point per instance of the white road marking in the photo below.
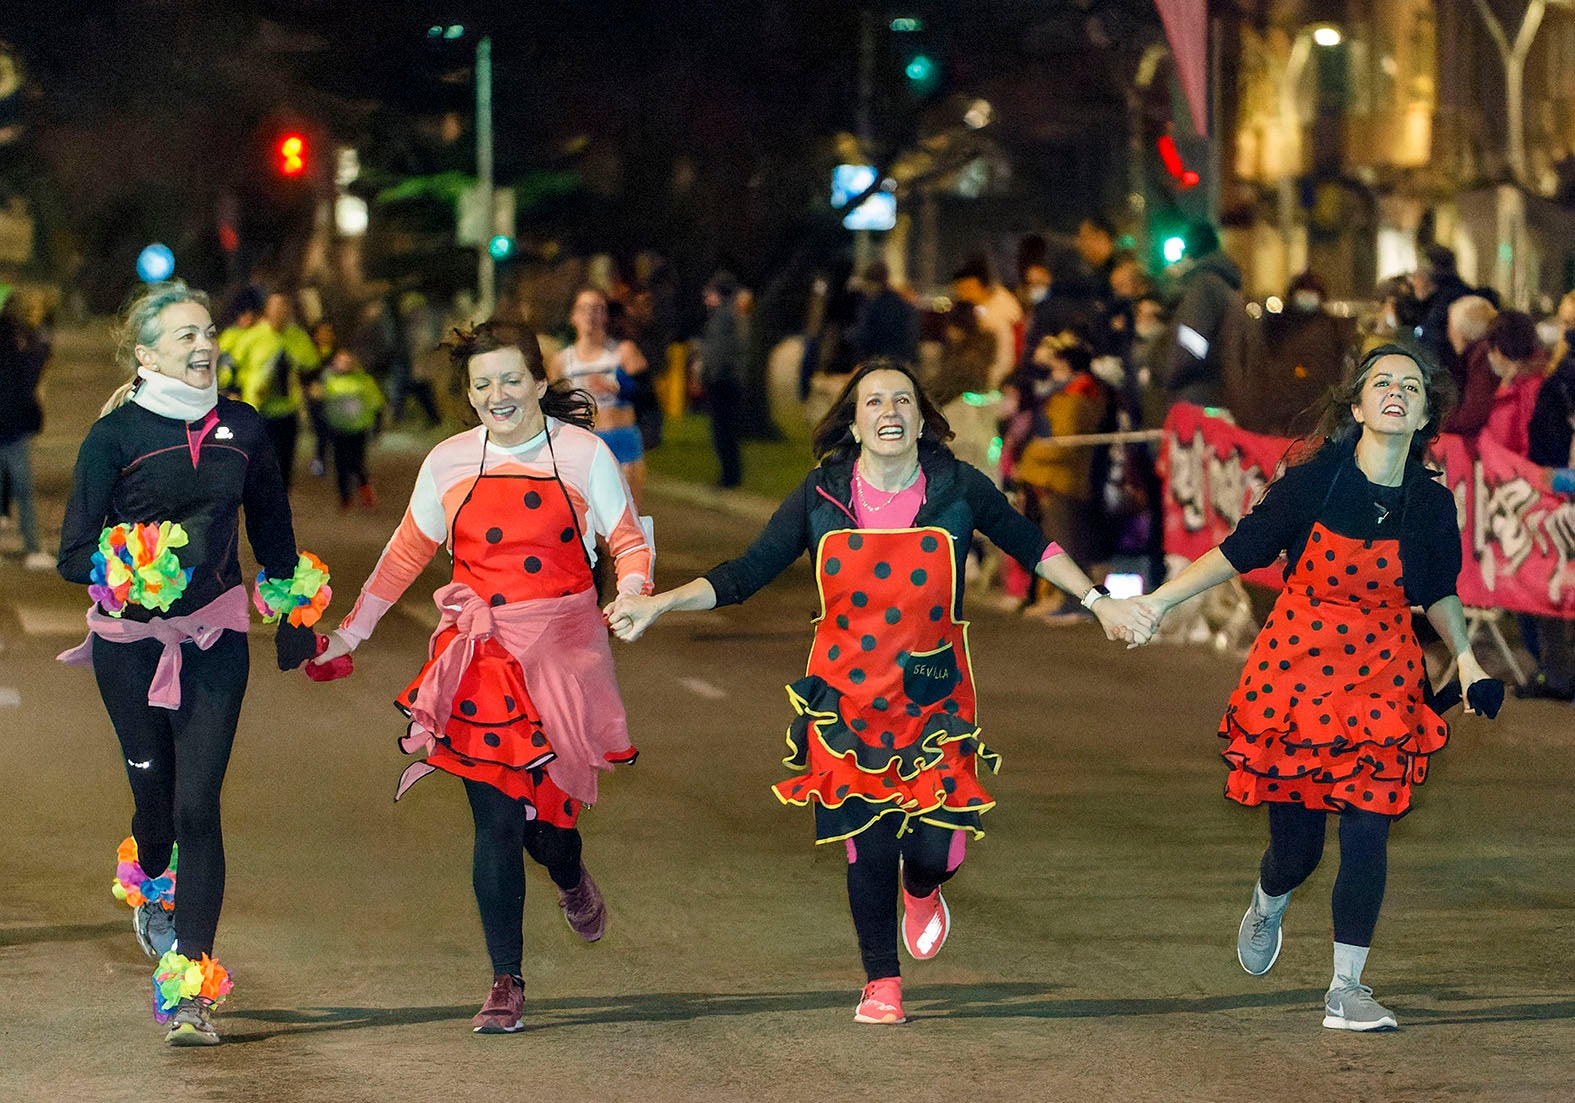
(10, 697)
(702, 688)
(44, 620)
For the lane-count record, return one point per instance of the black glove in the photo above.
(293, 645)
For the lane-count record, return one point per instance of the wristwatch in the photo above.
(1093, 595)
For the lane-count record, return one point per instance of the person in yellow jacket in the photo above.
(269, 358)
(352, 401)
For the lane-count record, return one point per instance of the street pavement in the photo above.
(1092, 951)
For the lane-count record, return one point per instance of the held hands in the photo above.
(1153, 611)
(1126, 619)
(629, 615)
(337, 646)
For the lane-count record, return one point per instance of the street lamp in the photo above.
(1327, 36)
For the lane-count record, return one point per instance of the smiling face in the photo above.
(185, 350)
(886, 417)
(506, 396)
(1393, 399)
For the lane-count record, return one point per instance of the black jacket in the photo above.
(957, 497)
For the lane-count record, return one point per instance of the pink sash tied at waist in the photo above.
(561, 646)
(228, 611)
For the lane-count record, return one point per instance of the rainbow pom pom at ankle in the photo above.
(177, 977)
(133, 887)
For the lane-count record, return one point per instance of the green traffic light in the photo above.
(501, 247)
(1174, 248)
(920, 69)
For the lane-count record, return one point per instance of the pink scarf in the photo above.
(561, 646)
(227, 611)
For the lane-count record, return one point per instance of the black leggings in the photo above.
(503, 837)
(349, 463)
(925, 851)
(1296, 844)
(175, 761)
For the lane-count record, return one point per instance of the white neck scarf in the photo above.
(169, 397)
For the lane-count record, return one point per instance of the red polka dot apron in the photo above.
(885, 721)
(1329, 712)
(515, 540)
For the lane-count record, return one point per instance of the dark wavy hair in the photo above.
(1337, 426)
(562, 401)
(832, 439)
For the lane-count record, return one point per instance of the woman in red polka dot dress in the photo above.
(518, 697)
(1331, 713)
(885, 742)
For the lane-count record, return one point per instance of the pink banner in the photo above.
(1517, 540)
(1187, 30)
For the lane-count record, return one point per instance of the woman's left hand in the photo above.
(1125, 619)
(1471, 672)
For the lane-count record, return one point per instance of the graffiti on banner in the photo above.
(1517, 539)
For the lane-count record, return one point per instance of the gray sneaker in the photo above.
(1258, 940)
(191, 1026)
(154, 927)
(1352, 1007)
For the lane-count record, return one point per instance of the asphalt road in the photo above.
(1092, 951)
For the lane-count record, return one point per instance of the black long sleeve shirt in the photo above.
(1331, 489)
(138, 466)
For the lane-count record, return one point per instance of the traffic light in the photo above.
(501, 246)
(1171, 156)
(290, 155)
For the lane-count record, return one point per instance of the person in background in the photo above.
(1550, 438)
(245, 310)
(270, 357)
(1515, 355)
(327, 344)
(1469, 318)
(974, 416)
(887, 324)
(1437, 285)
(1208, 324)
(24, 351)
(721, 373)
(606, 367)
(1096, 245)
(1304, 350)
(1333, 711)
(351, 404)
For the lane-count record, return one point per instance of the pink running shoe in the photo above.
(926, 921)
(504, 1011)
(584, 908)
(881, 1002)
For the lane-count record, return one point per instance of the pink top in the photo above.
(881, 509)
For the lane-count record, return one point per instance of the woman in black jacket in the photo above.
(885, 740)
(152, 529)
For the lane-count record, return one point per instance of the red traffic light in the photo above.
(1169, 154)
(291, 155)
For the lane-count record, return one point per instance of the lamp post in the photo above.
(486, 266)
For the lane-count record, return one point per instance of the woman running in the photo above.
(885, 737)
(518, 698)
(1332, 713)
(152, 529)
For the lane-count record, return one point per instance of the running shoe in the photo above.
(1350, 1006)
(1258, 940)
(154, 926)
(503, 1013)
(583, 908)
(926, 921)
(881, 1002)
(191, 1024)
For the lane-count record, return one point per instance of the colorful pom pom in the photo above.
(136, 564)
(133, 887)
(302, 597)
(177, 977)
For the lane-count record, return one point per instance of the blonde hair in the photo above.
(139, 325)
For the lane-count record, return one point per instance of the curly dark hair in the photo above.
(562, 401)
(1337, 426)
(832, 439)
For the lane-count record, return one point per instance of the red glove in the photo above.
(329, 671)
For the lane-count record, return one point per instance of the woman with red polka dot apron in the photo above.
(1333, 712)
(885, 743)
(518, 697)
